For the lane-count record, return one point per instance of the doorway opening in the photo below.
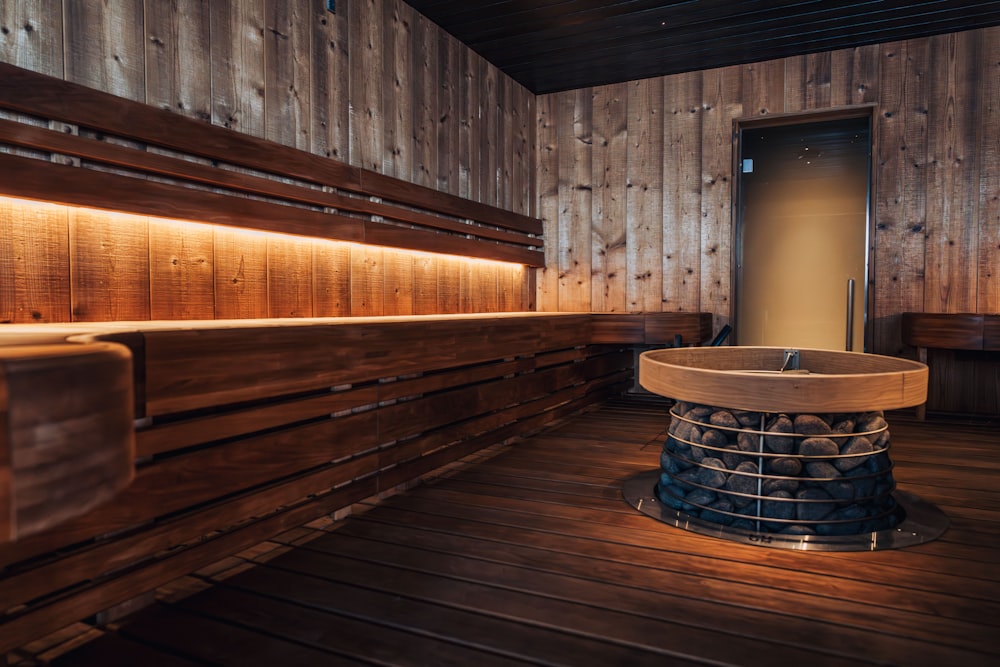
(802, 232)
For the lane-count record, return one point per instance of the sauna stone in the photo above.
(801, 474)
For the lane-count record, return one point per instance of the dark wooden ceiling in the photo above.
(553, 45)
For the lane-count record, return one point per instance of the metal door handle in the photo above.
(850, 314)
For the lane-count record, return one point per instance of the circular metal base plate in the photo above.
(923, 522)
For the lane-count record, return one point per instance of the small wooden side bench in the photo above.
(950, 331)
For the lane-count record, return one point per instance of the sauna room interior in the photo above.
(431, 333)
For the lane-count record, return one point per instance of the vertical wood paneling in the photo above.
(108, 266)
(289, 277)
(764, 88)
(287, 102)
(505, 144)
(855, 72)
(237, 64)
(301, 75)
(425, 284)
(329, 119)
(722, 94)
(468, 130)
(547, 277)
(889, 267)
(644, 196)
(31, 35)
(479, 287)
(177, 37)
(524, 154)
(240, 261)
(818, 80)
(397, 283)
(952, 157)
(448, 118)
(487, 165)
(575, 197)
(181, 271)
(988, 297)
(396, 83)
(682, 192)
(608, 258)
(104, 46)
(449, 285)
(31, 237)
(424, 73)
(367, 124)
(366, 281)
(331, 279)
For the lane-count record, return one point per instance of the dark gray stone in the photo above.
(776, 443)
(772, 486)
(822, 470)
(699, 412)
(818, 447)
(708, 476)
(811, 425)
(786, 466)
(747, 419)
(714, 438)
(777, 508)
(724, 418)
(741, 480)
(856, 446)
(815, 509)
(870, 421)
(748, 442)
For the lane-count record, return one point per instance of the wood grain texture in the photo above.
(608, 229)
(644, 198)
(731, 377)
(240, 264)
(67, 435)
(396, 102)
(179, 36)
(988, 292)
(31, 35)
(933, 192)
(423, 62)
(109, 266)
(721, 89)
(575, 199)
(952, 162)
(34, 239)
(331, 280)
(682, 153)
(287, 90)
(181, 271)
(529, 558)
(237, 65)
(104, 46)
(891, 270)
(329, 115)
(212, 481)
(547, 282)
(289, 277)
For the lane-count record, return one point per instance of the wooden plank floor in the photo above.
(529, 555)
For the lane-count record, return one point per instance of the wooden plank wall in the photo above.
(374, 85)
(661, 231)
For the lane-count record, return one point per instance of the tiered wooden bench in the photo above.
(247, 428)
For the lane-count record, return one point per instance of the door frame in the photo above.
(799, 118)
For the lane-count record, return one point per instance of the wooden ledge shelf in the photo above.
(201, 172)
(246, 428)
